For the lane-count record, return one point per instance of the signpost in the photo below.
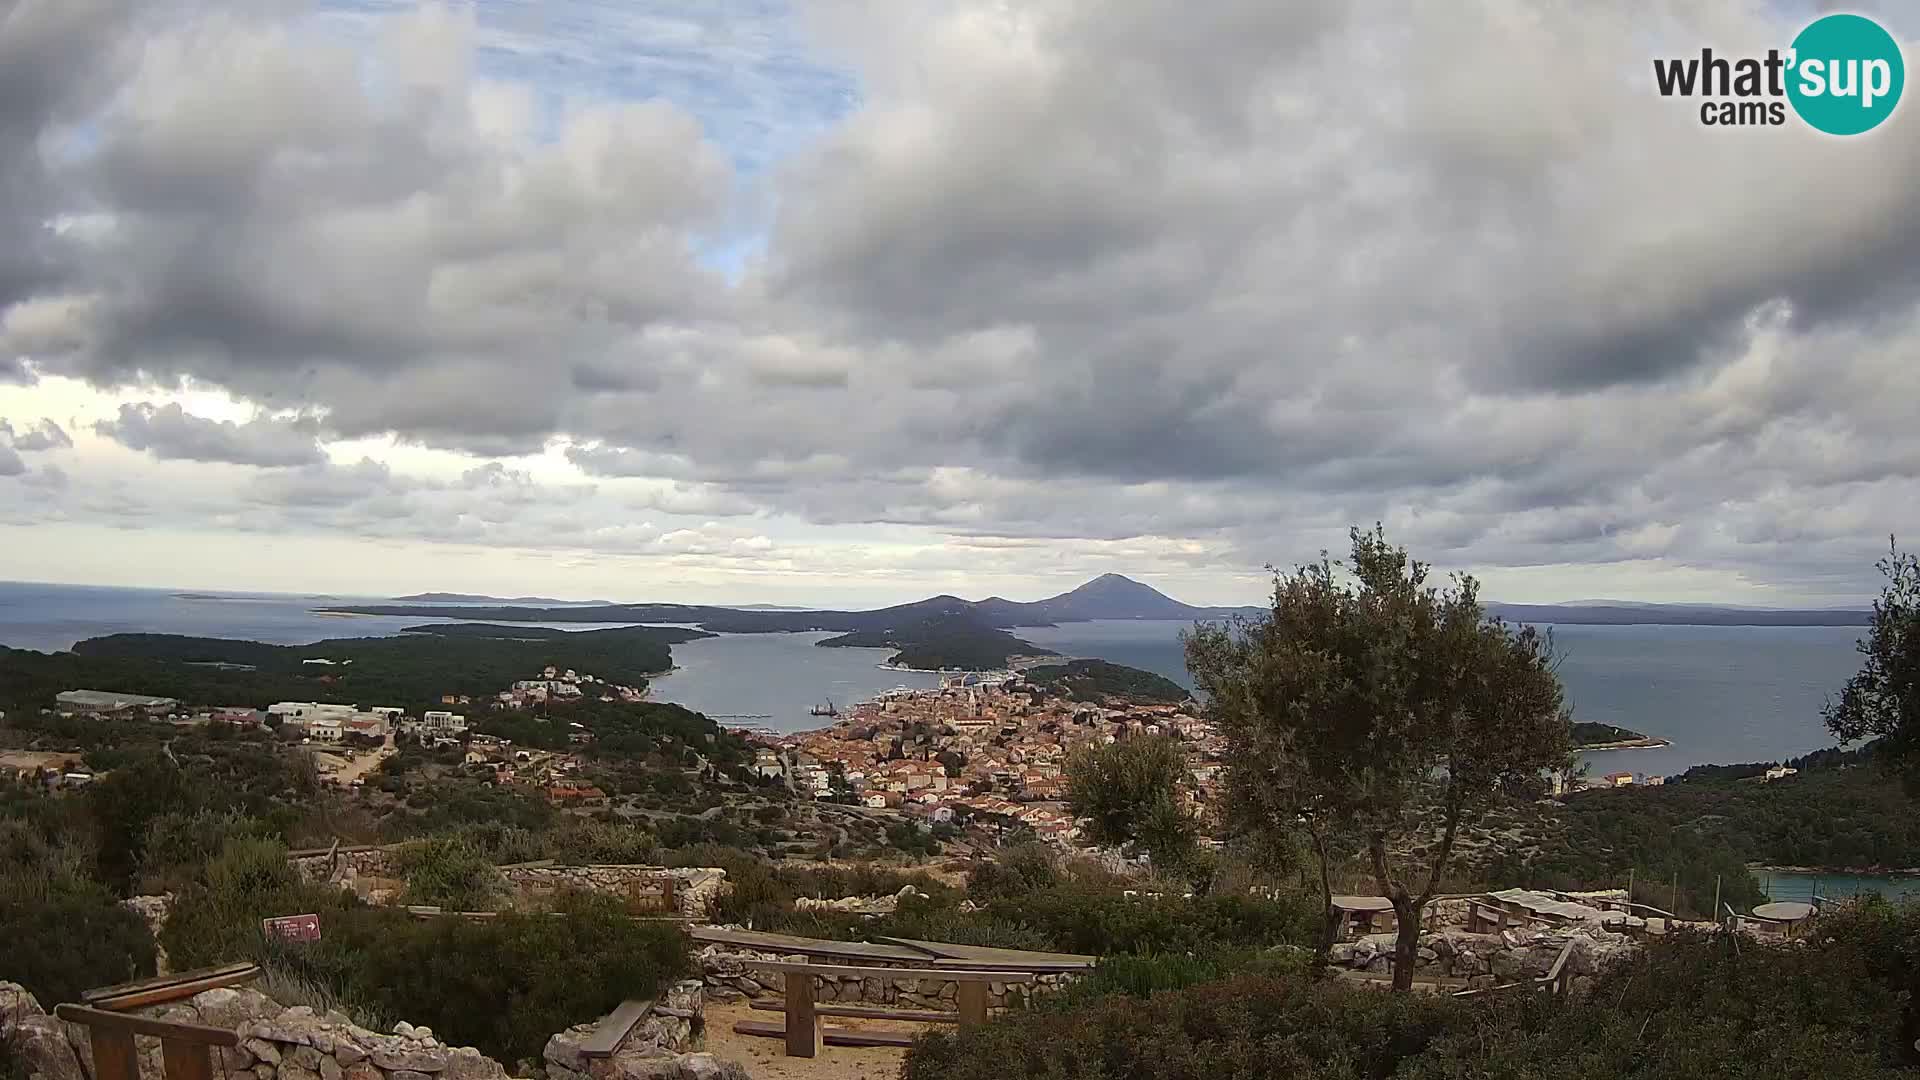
(293, 927)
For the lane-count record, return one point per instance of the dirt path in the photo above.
(346, 772)
(767, 1059)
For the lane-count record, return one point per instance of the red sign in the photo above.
(293, 927)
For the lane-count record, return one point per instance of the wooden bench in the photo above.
(802, 1029)
(613, 1031)
(869, 1012)
(164, 988)
(185, 1049)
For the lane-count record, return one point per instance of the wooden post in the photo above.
(803, 1024)
(113, 1054)
(972, 1000)
(183, 1060)
(1716, 898)
(668, 901)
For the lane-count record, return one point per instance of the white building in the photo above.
(300, 715)
(326, 729)
(443, 722)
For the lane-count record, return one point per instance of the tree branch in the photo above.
(1446, 845)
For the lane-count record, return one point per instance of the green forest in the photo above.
(942, 642)
(1096, 680)
(411, 670)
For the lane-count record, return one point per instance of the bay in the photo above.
(771, 680)
(1782, 885)
(1719, 694)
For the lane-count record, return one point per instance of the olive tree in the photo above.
(1129, 793)
(1371, 711)
(1882, 700)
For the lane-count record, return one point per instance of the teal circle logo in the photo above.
(1847, 74)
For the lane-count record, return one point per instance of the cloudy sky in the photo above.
(851, 301)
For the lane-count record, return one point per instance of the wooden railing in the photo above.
(1554, 982)
(186, 1050)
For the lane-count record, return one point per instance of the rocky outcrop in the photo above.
(37, 1041)
(730, 976)
(153, 911)
(859, 905)
(1488, 959)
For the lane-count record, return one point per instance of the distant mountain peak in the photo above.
(1116, 596)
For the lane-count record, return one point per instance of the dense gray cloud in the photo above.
(169, 432)
(1074, 272)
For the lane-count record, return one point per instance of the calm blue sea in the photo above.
(1720, 694)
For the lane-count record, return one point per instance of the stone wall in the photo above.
(730, 976)
(373, 871)
(694, 887)
(658, 1048)
(1488, 959)
(297, 1043)
(275, 1043)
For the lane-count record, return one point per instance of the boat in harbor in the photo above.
(824, 710)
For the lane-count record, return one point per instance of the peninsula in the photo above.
(1590, 736)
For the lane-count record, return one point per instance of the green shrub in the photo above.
(60, 931)
(60, 939)
(503, 985)
(451, 873)
(178, 844)
(1840, 1005)
(1100, 921)
(1247, 1027)
(217, 919)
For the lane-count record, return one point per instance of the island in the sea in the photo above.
(1590, 736)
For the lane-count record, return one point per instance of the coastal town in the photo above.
(983, 752)
(980, 748)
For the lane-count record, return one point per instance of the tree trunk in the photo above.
(1406, 946)
(1329, 915)
(1329, 930)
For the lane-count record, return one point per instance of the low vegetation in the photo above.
(1687, 1007)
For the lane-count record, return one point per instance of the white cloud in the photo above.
(1045, 289)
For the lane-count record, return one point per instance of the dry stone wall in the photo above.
(730, 976)
(372, 872)
(299, 1043)
(1489, 959)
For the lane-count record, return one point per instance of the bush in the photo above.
(1246, 1027)
(451, 873)
(1101, 921)
(216, 919)
(1840, 1005)
(503, 985)
(67, 937)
